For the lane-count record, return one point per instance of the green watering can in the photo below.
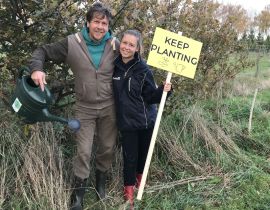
(32, 104)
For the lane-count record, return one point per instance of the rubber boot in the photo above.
(129, 195)
(100, 184)
(138, 180)
(77, 194)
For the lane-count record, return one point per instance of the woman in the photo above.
(135, 96)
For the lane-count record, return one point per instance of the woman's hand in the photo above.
(167, 86)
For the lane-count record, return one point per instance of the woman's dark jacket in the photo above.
(135, 94)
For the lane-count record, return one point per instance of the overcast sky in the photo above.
(250, 5)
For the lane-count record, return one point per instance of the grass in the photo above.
(264, 64)
(246, 82)
(34, 173)
(204, 158)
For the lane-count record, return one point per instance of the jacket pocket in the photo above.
(135, 87)
(86, 92)
(105, 90)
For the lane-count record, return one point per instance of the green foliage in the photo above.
(255, 42)
(260, 39)
(251, 40)
(267, 43)
(28, 25)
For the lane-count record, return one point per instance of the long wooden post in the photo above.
(154, 137)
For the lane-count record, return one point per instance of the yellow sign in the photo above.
(172, 52)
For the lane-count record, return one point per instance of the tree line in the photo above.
(255, 41)
(223, 29)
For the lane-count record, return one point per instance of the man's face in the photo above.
(98, 27)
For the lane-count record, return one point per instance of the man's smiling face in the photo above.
(98, 27)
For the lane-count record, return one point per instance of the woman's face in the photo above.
(128, 47)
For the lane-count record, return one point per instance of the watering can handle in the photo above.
(22, 69)
(47, 93)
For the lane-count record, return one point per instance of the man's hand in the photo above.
(39, 78)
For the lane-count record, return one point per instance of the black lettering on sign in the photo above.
(174, 54)
(176, 43)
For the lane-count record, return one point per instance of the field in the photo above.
(210, 155)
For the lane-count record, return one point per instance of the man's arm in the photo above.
(56, 52)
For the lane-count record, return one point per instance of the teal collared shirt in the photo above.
(95, 49)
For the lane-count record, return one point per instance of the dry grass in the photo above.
(172, 184)
(3, 174)
(9, 153)
(32, 172)
(245, 84)
(212, 134)
(42, 179)
(43, 172)
(195, 133)
(35, 174)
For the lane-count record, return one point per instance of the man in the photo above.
(90, 54)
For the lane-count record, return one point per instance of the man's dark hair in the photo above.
(100, 10)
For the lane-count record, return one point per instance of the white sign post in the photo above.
(163, 62)
(153, 140)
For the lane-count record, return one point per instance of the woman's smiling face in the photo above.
(128, 47)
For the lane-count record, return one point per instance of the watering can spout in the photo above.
(73, 124)
(49, 117)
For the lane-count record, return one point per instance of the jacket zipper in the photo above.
(129, 84)
(97, 84)
(144, 109)
(130, 68)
